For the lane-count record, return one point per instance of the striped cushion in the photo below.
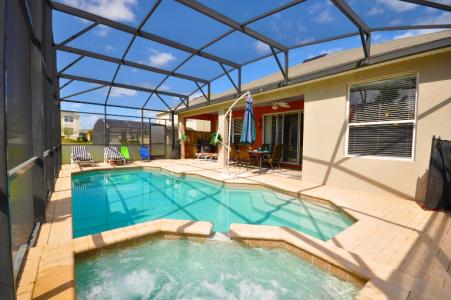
(80, 153)
(112, 153)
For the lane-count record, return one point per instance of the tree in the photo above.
(68, 132)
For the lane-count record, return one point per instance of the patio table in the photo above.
(259, 154)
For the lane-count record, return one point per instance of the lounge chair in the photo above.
(112, 154)
(80, 155)
(144, 152)
(206, 156)
(275, 157)
(125, 153)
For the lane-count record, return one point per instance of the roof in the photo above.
(155, 55)
(114, 123)
(337, 59)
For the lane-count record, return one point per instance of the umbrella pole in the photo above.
(228, 143)
(229, 112)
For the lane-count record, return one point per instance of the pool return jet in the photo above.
(247, 133)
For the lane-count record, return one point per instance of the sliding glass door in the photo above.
(285, 129)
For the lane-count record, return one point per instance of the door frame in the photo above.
(300, 113)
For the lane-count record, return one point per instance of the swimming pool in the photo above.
(105, 200)
(180, 269)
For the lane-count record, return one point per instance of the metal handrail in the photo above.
(23, 167)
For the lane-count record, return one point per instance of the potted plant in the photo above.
(215, 138)
(184, 138)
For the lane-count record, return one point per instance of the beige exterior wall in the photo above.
(324, 160)
(325, 128)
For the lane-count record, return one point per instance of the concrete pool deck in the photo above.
(402, 250)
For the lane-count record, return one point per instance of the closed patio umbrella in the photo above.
(248, 130)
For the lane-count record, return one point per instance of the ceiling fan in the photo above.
(276, 105)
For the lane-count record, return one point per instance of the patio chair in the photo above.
(80, 155)
(112, 154)
(275, 157)
(125, 153)
(245, 158)
(233, 158)
(144, 152)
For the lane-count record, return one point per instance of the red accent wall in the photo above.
(259, 111)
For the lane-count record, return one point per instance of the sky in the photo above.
(307, 22)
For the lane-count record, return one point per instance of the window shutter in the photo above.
(237, 126)
(382, 118)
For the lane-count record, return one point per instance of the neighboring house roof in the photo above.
(124, 123)
(338, 62)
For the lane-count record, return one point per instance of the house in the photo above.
(119, 132)
(351, 123)
(70, 125)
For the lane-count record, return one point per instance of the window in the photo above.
(68, 119)
(237, 126)
(382, 118)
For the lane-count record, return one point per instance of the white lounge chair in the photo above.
(80, 155)
(112, 153)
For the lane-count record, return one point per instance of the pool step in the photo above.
(218, 236)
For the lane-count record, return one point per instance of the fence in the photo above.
(91, 130)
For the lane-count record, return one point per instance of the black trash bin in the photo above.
(438, 193)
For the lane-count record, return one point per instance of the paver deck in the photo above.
(403, 250)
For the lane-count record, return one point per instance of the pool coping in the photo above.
(49, 268)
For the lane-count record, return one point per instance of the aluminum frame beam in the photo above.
(364, 30)
(430, 4)
(283, 70)
(127, 63)
(110, 105)
(231, 23)
(230, 78)
(273, 11)
(411, 27)
(78, 34)
(83, 92)
(128, 29)
(130, 44)
(119, 85)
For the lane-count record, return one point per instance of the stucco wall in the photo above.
(324, 158)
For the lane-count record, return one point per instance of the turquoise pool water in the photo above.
(178, 269)
(107, 200)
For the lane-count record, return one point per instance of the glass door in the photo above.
(285, 129)
(291, 138)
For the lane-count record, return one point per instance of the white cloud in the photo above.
(398, 6)
(395, 22)
(261, 47)
(375, 11)
(324, 17)
(406, 34)
(443, 18)
(164, 87)
(121, 92)
(110, 48)
(159, 59)
(102, 30)
(376, 37)
(119, 10)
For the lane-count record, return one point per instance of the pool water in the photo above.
(106, 200)
(180, 269)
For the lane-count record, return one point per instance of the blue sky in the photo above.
(303, 23)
